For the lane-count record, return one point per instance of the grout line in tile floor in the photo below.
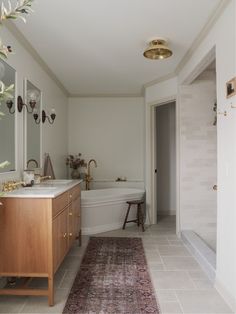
(23, 305)
(61, 281)
(180, 305)
(164, 266)
(191, 279)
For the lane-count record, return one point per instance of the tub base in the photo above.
(104, 210)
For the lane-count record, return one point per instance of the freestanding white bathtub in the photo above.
(105, 209)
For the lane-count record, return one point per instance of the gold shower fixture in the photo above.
(158, 50)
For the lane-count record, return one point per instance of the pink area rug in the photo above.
(113, 278)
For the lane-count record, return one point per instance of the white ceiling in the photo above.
(95, 47)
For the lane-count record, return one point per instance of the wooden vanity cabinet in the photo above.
(74, 218)
(35, 236)
(66, 224)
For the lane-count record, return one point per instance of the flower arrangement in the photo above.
(75, 161)
(21, 7)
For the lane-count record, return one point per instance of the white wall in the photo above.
(166, 159)
(161, 91)
(198, 168)
(110, 130)
(222, 36)
(54, 136)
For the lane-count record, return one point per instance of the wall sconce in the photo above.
(50, 118)
(9, 104)
(44, 116)
(32, 100)
(20, 105)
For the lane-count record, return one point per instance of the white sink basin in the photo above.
(39, 188)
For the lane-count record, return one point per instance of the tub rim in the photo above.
(113, 198)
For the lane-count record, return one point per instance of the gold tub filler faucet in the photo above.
(88, 177)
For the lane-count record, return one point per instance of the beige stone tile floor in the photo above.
(179, 282)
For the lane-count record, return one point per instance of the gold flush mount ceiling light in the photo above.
(158, 50)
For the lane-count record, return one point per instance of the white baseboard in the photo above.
(102, 228)
(225, 294)
(166, 212)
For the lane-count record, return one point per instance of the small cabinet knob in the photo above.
(70, 214)
(215, 187)
(64, 235)
(70, 234)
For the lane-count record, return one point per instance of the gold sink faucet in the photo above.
(88, 177)
(11, 185)
(44, 178)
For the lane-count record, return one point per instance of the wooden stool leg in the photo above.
(141, 216)
(138, 216)
(126, 217)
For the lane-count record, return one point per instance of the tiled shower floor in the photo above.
(180, 284)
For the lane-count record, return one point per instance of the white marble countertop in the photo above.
(46, 189)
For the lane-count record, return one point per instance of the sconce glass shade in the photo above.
(36, 116)
(33, 97)
(157, 50)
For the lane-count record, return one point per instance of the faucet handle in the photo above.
(88, 177)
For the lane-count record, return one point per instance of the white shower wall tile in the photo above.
(198, 149)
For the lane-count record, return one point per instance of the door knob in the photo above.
(215, 187)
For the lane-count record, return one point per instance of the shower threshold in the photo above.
(201, 251)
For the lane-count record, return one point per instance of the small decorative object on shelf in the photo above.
(121, 179)
(75, 162)
(231, 88)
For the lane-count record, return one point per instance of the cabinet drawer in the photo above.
(74, 193)
(59, 203)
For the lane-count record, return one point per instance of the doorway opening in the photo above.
(165, 163)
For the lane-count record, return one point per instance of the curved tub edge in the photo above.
(107, 214)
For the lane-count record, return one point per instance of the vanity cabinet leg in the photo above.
(50, 292)
(80, 238)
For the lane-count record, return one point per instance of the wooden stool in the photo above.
(139, 219)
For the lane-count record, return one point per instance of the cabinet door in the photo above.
(74, 219)
(60, 236)
(24, 236)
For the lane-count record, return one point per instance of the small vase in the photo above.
(75, 174)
